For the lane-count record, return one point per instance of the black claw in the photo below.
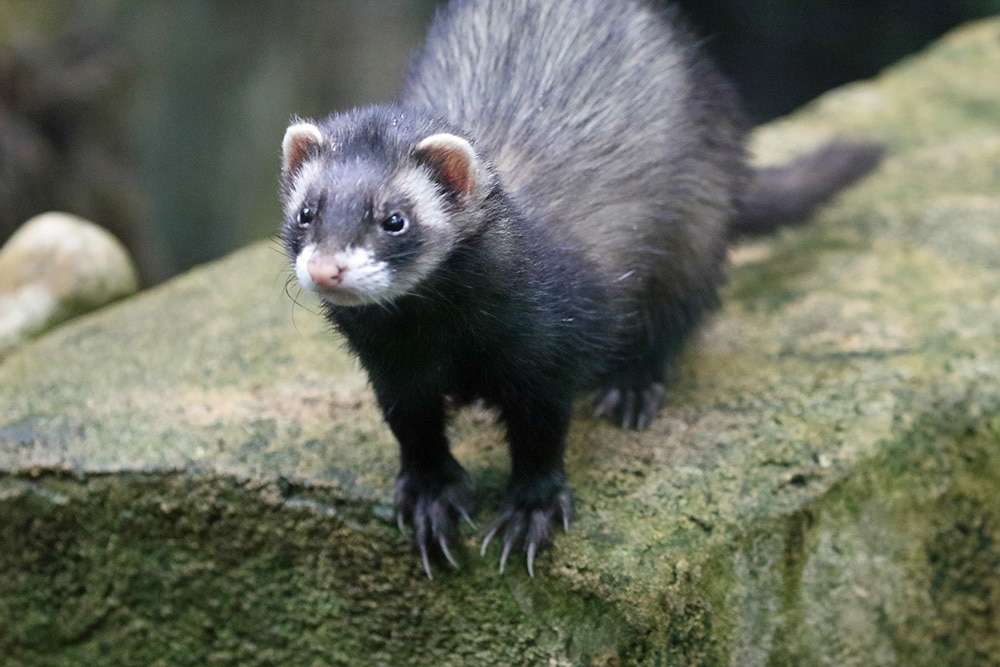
(608, 405)
(633, 409)
(532, 550)
(529, 528)
(628, 410)
(426, 561)
(434, 512)
(443, 543)
(652, 400)
(490, 534)
(503, 556)
(566, 509)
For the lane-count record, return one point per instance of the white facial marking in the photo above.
(309, 173)
(357, 277)
(419, 189)
(302, 267)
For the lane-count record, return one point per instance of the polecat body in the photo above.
(545, 210)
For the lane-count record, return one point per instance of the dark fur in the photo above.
(616, 160)
(789, 194)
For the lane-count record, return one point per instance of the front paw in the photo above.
(434, 509)
(528, 524)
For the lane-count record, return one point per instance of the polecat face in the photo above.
(368, 226)
(357, 237)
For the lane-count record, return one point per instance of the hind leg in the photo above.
(633, 393)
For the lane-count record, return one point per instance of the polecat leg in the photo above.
(633, 398)
(537, 495)
(631, 407)
(432, 490)
(433, 506)
(632, 394)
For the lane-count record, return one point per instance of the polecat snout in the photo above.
(544, 210)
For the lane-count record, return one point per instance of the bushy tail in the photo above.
(790, 193)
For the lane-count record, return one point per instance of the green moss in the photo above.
(201, 475)
(146, 569)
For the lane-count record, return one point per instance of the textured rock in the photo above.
(57, 266)
(200, 475)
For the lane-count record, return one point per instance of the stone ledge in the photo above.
(199, 474)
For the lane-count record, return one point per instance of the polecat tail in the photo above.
(788, 194)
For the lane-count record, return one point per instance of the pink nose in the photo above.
(325, 271)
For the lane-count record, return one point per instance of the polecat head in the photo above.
(374, 202)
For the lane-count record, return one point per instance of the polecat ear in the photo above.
(454, 161)
(301, 140)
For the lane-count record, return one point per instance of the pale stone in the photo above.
(57, 266)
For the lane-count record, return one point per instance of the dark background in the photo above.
(162, 119)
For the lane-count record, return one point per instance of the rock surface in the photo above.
(200, 475)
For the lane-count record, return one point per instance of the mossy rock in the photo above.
(199, 474)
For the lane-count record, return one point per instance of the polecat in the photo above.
(545, 210)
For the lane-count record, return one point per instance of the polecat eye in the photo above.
(395, 224)
(305, 216)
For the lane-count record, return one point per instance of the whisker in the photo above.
(295, 299)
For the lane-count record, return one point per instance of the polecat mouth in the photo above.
(348, 277)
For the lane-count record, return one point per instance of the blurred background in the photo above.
(161, 119)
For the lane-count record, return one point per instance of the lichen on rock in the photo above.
(201, 473)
